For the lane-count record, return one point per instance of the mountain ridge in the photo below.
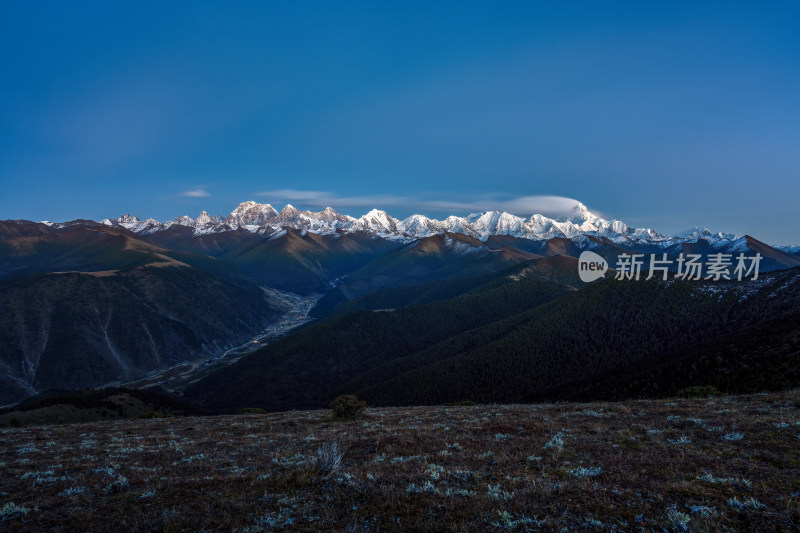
(265, 220)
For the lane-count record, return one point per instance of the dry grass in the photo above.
(730, 464)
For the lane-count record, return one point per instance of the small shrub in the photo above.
(348, 407)
(507, 521)
(15, 423)
(698, 391)
(733, 436)
(119, 484)
(251, 411)
(497, 493)
(678, 520)
(462, 403)
(586, 472)
(153, 414)
(12, 510)
(313, 469)
(72, 491)
(325, 462)
(751, 503)
(557, 442)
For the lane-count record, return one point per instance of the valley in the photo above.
(180, 376)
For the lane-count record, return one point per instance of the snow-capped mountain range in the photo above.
(266, 220)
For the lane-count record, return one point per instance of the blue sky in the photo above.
(666, 115)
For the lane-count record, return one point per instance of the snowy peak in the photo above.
(263, 219)
(704, 233)
(328, 213)
(583, 215)
(182, 221)
(134, 224)
(497, 223)
(127, 219)
(693, 233)
(203, 219)
(420, 226)
(288, 212)
(378, 221)
(251, 214)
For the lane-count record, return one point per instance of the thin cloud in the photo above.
(326, 199)
(196, 193)
(525, 205)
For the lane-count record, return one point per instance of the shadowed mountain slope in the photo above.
(303, 369)
(86, 305)
(488, 346)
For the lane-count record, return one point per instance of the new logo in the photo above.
(591, 266)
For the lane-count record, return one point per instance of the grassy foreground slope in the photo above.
(724, 464)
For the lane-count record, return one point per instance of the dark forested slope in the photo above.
(525, 339)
